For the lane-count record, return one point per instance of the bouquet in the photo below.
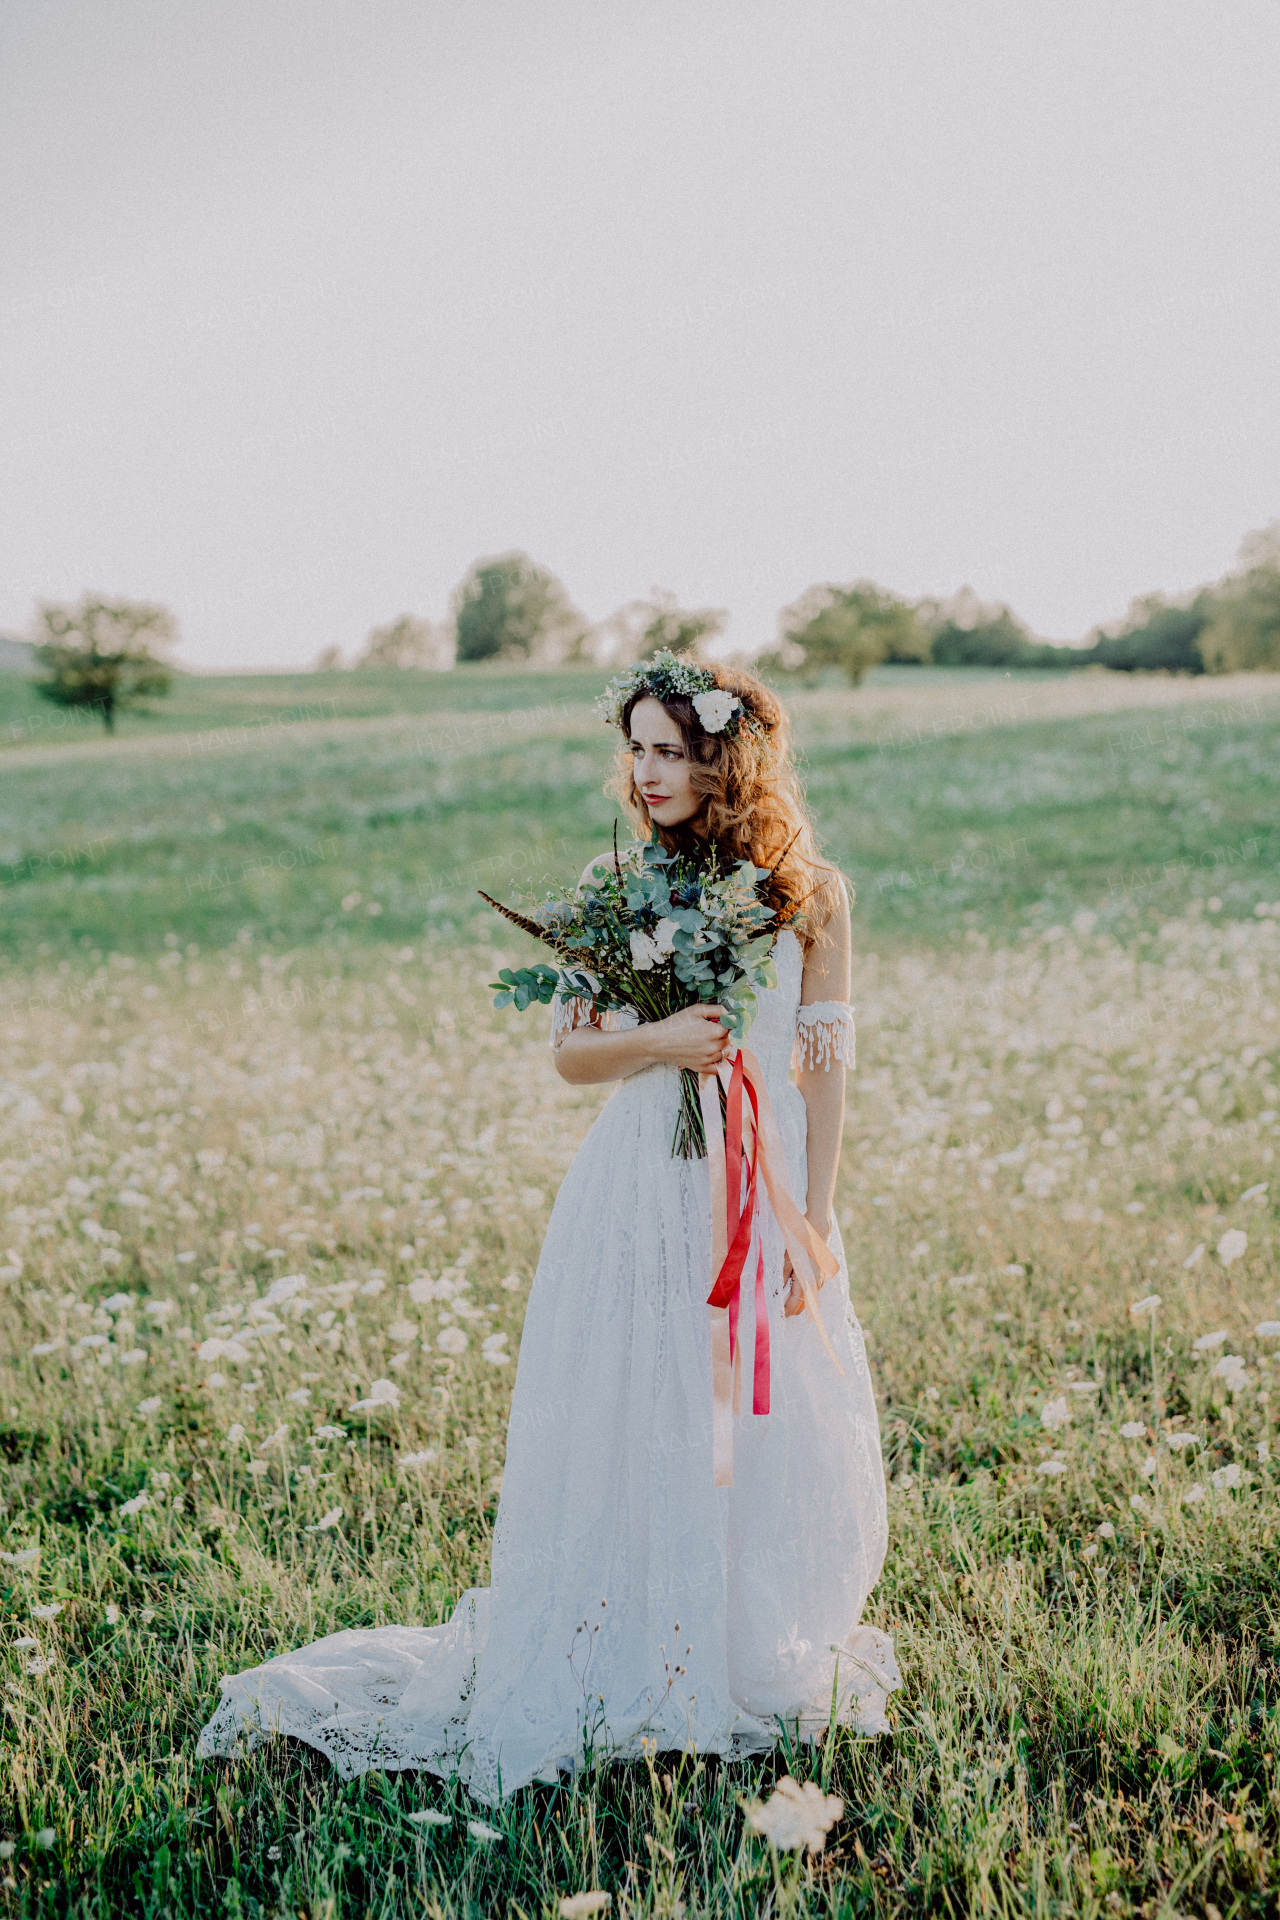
(654, 931)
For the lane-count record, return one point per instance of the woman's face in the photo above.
(662, 771)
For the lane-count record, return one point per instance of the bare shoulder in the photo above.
(828, 956)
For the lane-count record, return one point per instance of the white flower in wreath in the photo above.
(716, 709)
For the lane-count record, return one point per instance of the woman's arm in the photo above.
(826, 977)
(691, 1038)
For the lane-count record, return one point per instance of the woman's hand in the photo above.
(692, 1038)
(794, 1302)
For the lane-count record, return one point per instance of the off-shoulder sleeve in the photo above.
(580, 1012)
(825, 1033)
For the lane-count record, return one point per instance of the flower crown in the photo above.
(667, 676)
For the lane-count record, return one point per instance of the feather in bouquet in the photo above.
(654, 931)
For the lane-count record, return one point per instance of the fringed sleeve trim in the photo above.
(825, 1033)
(580, 1012)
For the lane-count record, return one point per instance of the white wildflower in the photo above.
(1055, 1413)
(148, 1407)
(452, 1340)
(575, 1904)
(1232, 1246)
(1193, 1496)
(275, 1439)
(1181, 1441)
(1052, 1466)
(1254, 1193)
(215, 1349)
(796, 1816)
(1268, 1329)
(485, 1834)
(1085, 1386)
(46, 1837)
(407, 1460)
(1106, 1531)
(428, 1817)
(326, 1521)
(1134, 1430)
(1147, 1304)
(383, 1393)
(1148, 1467)
(1195, 1256)
(26, 1558)
(112, 1615)
(491, 1347)
(139, 1501)
(49, 1612)
(235, 1434)
(1224, 1478)
(1208, 1341)
(330, 1433)
(299, 1396)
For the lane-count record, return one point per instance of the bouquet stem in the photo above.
(690, 1141)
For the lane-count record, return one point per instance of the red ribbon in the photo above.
(734, 1220)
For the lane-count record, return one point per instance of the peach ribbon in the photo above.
(749, 1143)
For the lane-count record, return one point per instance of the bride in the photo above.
(631, 1598)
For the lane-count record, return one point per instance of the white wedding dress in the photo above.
(630, 1597)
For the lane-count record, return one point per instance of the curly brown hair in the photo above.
(753, 806)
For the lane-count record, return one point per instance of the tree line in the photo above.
(510, 609)
(109, 655)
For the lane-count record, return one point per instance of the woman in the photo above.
(632, 1598)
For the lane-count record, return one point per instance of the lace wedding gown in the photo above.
(630, 1597)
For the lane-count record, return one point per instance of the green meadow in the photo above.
(244, 1030)
(267, 810)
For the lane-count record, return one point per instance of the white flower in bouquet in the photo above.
(645, 951)
(715, 709)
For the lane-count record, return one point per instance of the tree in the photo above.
(1157, 636)
(1241, 633)
(850, 628)
(106, 654)
(509, 608)
(411, 643)
(637, 630)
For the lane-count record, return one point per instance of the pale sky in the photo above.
(305, 306)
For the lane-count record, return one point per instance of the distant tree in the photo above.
(411, 643)
(509, 608)
(965, 631)
(849, 628)
(638, 629)
(328, 660)
(1156, 636)
(1241, 632)
(104, 654)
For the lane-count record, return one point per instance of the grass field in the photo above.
(1066, 1103)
